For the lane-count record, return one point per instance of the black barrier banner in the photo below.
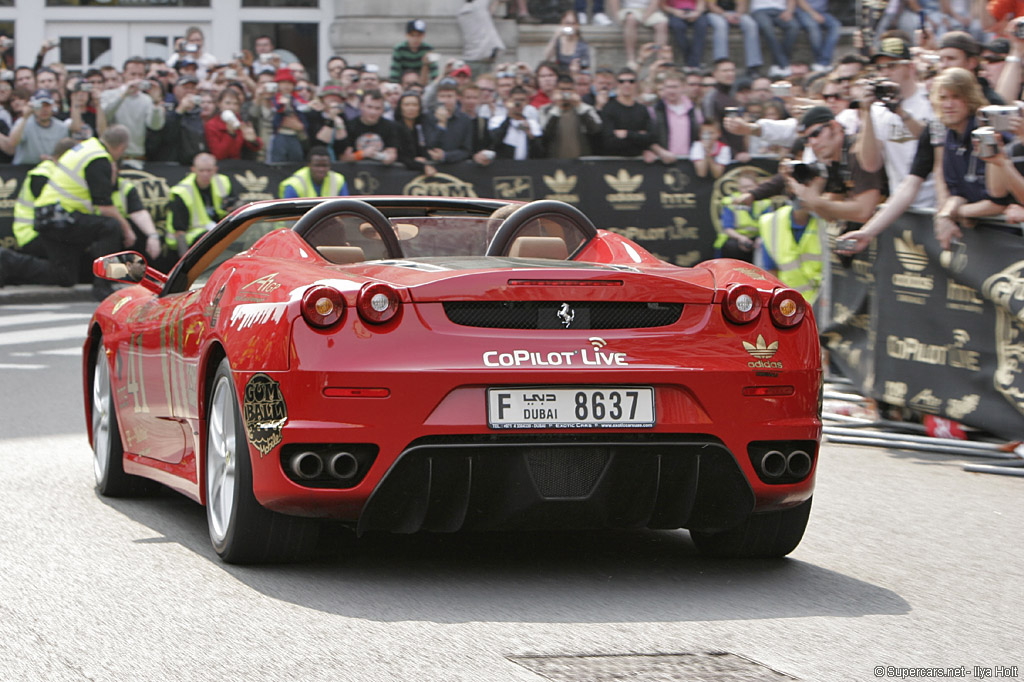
(941, 332)
(668, 210)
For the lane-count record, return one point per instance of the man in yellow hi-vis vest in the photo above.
(75, 214)
(315, 180)
(792, 245)
(28, 264)
(197, 203)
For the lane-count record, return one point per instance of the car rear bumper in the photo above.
(429, 461)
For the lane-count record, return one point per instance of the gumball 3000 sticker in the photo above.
(264, 412)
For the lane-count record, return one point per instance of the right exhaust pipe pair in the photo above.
(775, 464)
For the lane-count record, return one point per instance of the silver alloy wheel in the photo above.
(221, 455)
(101, 422)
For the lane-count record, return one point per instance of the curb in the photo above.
(31, 293)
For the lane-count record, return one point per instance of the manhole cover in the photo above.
(698, 667)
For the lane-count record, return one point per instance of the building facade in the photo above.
(92, 33)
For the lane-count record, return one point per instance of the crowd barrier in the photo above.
(940, 332)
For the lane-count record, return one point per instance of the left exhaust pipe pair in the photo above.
(308, 465)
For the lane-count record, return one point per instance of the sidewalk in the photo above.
(33, 293)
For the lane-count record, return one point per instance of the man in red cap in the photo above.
(290, 122)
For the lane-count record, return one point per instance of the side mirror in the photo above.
(129, 267)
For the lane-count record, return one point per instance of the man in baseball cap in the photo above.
(959, 48)
(849, 192)
(38, 131)
(414, 54)
(993, 58)
(894, 47)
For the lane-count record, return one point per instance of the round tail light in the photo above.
(378, 303)
(322, 306)
(742, 303)
(788, 308)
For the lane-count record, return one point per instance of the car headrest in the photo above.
(342, 255)
(553, 248)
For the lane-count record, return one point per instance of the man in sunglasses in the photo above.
(890, 130)
(845, 191)
(626, 124)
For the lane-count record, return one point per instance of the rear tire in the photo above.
(107, 448)
(241, 529)
(762, 536)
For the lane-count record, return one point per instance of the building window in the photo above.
(85, 53)
(121, 3)
(280, 3)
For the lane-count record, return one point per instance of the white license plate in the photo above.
(546, 407)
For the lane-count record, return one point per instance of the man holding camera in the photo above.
(568, 123)
(841, 190)
(894, 114)
(136, 105)
(37, 133)
(514, 135)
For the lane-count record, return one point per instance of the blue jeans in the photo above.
(581, 6)
(689, 51)
(720, 39)
(824, 37)
(767, 20)
(285, 149)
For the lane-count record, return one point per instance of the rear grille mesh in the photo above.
(546, 314)
(566, 472)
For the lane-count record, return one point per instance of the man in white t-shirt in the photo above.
(890, 129)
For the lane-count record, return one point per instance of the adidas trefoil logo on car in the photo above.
(763, 351)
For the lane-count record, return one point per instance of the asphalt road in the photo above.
(908, 561)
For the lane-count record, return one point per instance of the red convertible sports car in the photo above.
(416, 363)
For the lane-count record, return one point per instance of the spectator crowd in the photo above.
(894, 118)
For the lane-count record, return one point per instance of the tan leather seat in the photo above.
(342, 255)
(553, 248)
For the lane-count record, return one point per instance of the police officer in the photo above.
(315, 180)
(197, 203)
(75, 211)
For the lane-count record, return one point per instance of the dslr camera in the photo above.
(886, 92)
(803, 172)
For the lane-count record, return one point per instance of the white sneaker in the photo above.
(601, 19)
(582, 17)
(818, 68)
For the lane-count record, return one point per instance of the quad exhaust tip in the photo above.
(773, 464)
(306, 465)
(798, 463)
(343, 465)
